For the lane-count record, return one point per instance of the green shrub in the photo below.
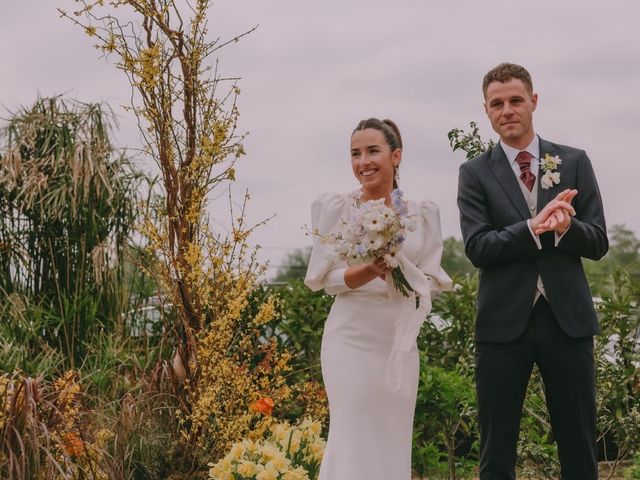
(617, 354)
(444, 418)
(447, 336)
(633, 472)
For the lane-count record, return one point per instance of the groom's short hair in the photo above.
(505, 72)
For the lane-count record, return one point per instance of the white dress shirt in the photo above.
(534, 149)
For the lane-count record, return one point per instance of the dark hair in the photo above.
(387, 127)
(390, 131)
(505, 72)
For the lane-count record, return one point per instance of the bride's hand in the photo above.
(381, 268)
(357, 275)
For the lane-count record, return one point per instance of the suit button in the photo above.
(532, 208)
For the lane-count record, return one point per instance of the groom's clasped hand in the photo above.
(556, 215)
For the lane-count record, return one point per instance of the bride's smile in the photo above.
(373, 162)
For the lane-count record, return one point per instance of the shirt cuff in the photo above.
(559, 237)
(536, 238)
(334, 281)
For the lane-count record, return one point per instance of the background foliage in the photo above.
(137, 343)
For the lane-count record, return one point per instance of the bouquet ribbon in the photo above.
(397, 377)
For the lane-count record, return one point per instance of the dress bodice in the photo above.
(422, 247)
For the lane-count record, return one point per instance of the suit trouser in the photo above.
(567, 369)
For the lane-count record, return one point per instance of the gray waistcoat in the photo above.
(531, 198)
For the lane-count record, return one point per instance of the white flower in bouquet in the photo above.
(375, 243)
(391, 260)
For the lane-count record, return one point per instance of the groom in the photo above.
(529, 210)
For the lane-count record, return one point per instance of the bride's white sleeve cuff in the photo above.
(334, 281)
(324, 271)
(431, 256)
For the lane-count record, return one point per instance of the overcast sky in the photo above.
(312, 70)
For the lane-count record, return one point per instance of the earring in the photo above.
(396, 173)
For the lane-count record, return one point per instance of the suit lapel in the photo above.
(508, 181)
(545, 194)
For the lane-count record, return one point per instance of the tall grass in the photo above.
(67, 212)
(43, 433)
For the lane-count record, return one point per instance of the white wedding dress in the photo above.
(371, 424)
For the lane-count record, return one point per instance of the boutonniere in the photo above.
(549, 165)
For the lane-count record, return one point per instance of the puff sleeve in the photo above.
(431, 255)
(323, 271)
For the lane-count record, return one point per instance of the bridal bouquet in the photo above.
(375, 231)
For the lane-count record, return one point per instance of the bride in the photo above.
(369, 358)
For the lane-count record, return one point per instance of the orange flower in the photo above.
(264, 406)
(73, 444)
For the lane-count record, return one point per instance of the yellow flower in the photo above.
(297, 474)
(218, 473)
(280, 432)
(267, 312)
(247, 468)
(250, 446)
(224, 465)
(270, 451)
(267, 475)
(237, 451)
(294, 445)
(311, 425)
(317, 450)
(294, 440)
(279, 463)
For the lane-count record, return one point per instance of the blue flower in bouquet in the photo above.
(398, 203)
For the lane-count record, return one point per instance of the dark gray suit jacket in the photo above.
(493, 215)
